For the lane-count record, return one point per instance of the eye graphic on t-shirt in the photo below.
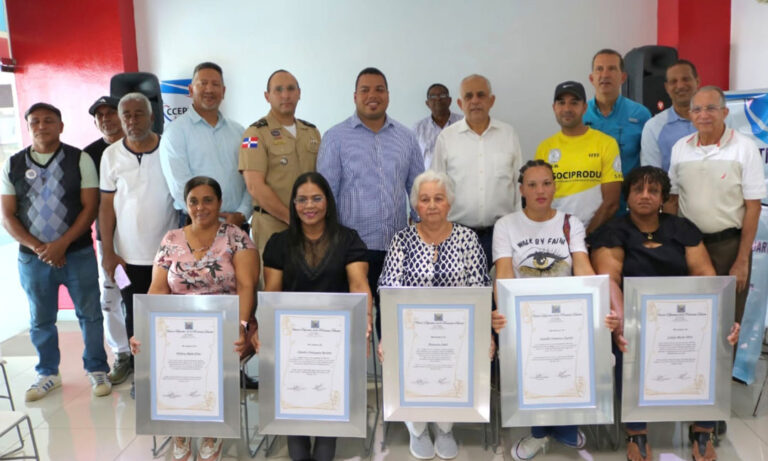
(540, 263)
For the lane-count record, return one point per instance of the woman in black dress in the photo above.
(649, 243)
(315, 254)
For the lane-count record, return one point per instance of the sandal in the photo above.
(209, 452)
(181, 452)
(702, 439)
(641, 440)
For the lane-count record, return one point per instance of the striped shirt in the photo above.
(371, 175)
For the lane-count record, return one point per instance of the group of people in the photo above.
(331, 215)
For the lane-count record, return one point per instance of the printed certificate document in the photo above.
(435, 355)
(312, 371)
(187, 379)
(677, 351)
(555, 352)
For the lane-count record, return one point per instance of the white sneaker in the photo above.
(209, 452)
(100, 385)
(182, 448)
(42, 386)
(445, 444)
(421, 447)
(528, 447)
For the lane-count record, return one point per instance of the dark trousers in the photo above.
(375, 260)
(723, 254)
(299, 448)
(141, 279)
(485, 236)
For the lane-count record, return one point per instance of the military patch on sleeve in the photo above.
(306, 123)
(262, 122)
(250, 143)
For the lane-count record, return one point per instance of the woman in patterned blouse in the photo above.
(433, 253)
(206, 257)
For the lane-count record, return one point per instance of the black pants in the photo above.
(141, 279)
(299, 448)
(375, 260)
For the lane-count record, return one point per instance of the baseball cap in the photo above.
(103, 101)
(570, 87)
(42, 105)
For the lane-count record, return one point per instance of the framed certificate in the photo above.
(679, 360)
(555, 352)
(187, 372)
(312, 364)
(436, 345)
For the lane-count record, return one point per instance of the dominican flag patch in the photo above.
(250, 143)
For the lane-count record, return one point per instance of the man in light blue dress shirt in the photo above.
(370, 162)
(427, 129)
(665, 128)
(204, 143)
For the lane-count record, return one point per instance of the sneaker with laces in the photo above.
(42, 386)
(421, 447)
(581, 440)
(121, 369)
(528, 447)
(445, 444)
(100, 385)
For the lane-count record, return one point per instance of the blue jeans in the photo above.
(567, 435)
(41, 283)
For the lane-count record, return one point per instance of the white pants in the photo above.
(112, 309)
(418, 428)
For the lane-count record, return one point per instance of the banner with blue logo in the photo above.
(176, 98)
(748, 113)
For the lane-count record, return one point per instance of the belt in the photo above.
(261, 210)
(726, 234)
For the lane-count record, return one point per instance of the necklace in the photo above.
(202, 247)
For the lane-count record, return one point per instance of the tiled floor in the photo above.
(70, 424)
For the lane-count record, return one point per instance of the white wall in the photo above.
(525, 47)
(749, 44)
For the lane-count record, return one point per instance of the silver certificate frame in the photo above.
(275, 308)
(640, 293)
(591, 400)
(474, 304)
(201, 317)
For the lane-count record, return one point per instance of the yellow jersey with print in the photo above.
(581, 164)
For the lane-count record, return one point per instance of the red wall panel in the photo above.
(701, 32)
(66, 53)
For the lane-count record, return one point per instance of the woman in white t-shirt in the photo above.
(540, 241)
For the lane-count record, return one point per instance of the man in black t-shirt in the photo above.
(105, 117)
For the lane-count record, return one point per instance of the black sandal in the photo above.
(641, 440)
(701, 438)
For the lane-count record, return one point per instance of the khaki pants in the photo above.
(723, 254)
(262, 228)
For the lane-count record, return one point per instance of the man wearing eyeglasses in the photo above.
(276, 149)
(718, 182)
(427, 129)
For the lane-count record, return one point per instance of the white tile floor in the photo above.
(71, 425)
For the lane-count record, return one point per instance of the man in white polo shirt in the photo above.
(718, 182)
(136, 208)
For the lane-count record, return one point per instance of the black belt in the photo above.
(726, 234)
(260, 210)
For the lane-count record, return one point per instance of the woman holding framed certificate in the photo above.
(649, 243)
(316, 254)
(433, 253)
(540, 241)
(206, 257)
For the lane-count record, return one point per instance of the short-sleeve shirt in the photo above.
(581, 164)
(713, 181)
(624, 124)
(668, 259)
(270, 148)
(214, 273)
(89, 177)
(329, 276)
(410, 261)
(538, 249)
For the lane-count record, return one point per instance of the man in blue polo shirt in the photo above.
(612, 113)
(665, 128)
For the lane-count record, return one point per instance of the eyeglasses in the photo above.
(710, 109)
(432, 97)
(302, 200)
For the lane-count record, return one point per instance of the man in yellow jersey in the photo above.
(585, 161)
